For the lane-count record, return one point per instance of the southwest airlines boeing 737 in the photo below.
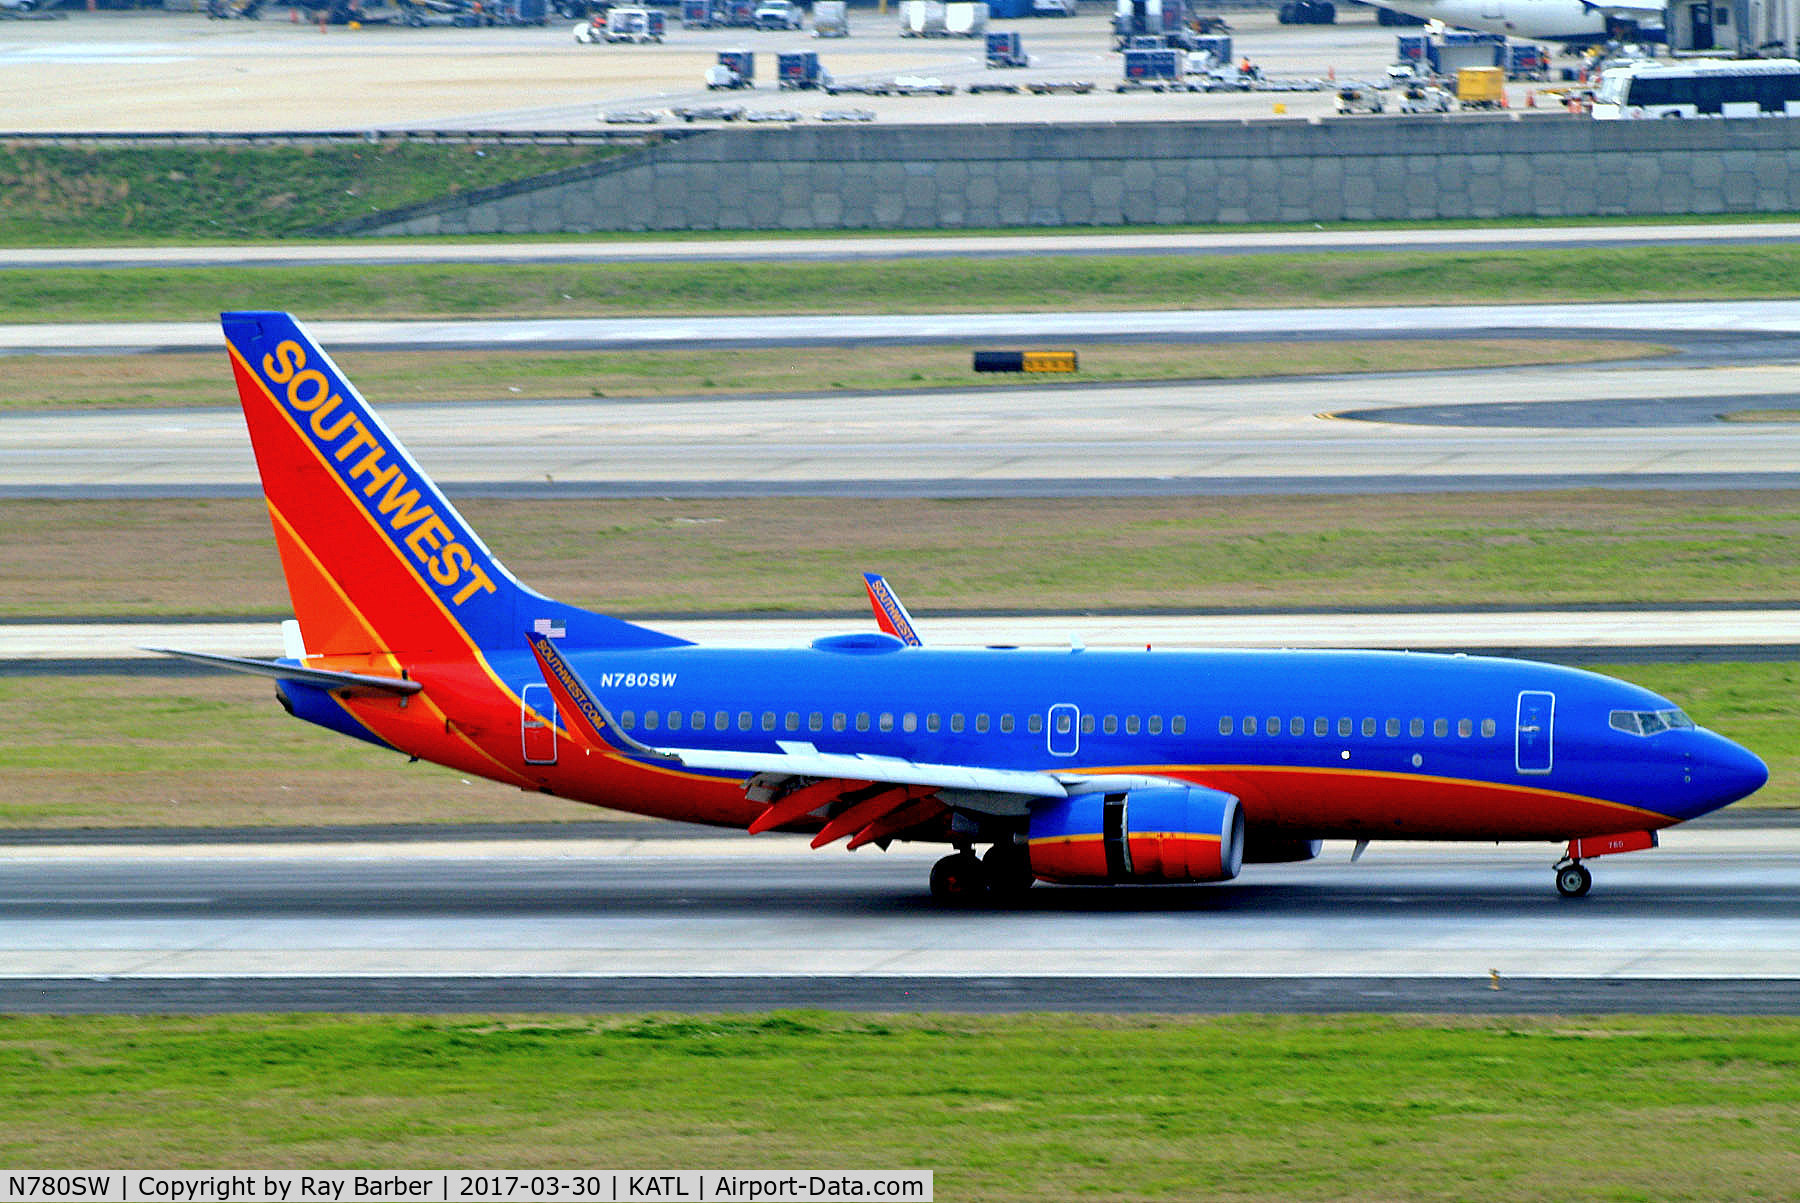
(1071, 765)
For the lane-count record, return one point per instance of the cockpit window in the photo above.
(1649, 722)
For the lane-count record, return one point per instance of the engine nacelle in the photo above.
(1178, 833)
(1261, 848)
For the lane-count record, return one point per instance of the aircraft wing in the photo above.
(869, 797)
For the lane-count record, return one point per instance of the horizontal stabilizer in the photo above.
(282, 671)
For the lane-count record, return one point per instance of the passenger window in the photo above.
(838, 720)
(1087, 724)
(674, 720)
(885, 722)
(1226, 726)
(1248, 726)
(1272, 725)
(956, 723)
(1321, 726)
(1393, 728)
(1343, 727)
(652, 720)
(1416, 728)
(1464, 728)
(745, 720)
(628, 720)
(768, 720)
(1006, 724)
(909, 721)
(932, 722)
(1440, 727)
(1131, 724)
(1035, 724)
(721, 720)
(1296, 726)
(981, 724)
(815, 721)
(1487, 728)
(1178, 725)
(697, 720)
(1368, 727)
(793, 720)
(1154, 724)
(1110, 724)
(862, 720)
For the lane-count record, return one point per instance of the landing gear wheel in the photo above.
(958, 878)
(1008, 871)
(1573, 881)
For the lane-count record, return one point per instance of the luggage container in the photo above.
(696, 14)
(1156, 69)
(735, 69)
(799, 70)
(1481, 88)
(1525, 61)
(963, 20)
(1006, 50)
(831, 19)
(1411, 48)
(922, 18)
(1218, 45)
(1455, 49)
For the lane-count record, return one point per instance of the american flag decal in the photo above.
(550, 628)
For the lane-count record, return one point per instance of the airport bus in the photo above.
(1700, 88)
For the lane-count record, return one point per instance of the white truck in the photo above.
(778, 14)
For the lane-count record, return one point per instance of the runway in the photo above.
(1616, 635)
(1185, 437)
(733, 920)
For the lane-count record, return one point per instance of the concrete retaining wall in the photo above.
(938, 177)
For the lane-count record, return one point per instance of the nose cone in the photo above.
(1728, 772)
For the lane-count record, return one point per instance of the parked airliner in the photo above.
(1572, 22)
(1072, 765)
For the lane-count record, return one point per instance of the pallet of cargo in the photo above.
(847, 115)
(878, 87)
(631, 117)
(978, 89)
(1065, 87)
(774, 115)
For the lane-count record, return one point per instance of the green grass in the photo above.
(217, 751)
(1048, 283)
(999, 1108)
(651, 556)
(55, 195)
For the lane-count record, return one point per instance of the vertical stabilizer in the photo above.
(376, 558)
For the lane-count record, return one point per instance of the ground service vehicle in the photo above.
(1699, 88)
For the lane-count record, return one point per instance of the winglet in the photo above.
(890, 615)
(587, 715)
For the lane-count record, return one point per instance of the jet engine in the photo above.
(1261, 848)
(1178, 833)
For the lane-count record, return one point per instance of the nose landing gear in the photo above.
(1573, 879)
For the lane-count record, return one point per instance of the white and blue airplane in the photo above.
(1571, 22)
(1071, 766)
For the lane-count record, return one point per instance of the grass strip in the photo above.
(1008, 555)
(956, 285)
(1239, 1108)
(61, 195)
(179, 380)
(216, 751)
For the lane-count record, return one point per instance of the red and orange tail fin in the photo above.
(377, 559)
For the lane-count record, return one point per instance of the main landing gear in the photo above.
(1003, 875)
